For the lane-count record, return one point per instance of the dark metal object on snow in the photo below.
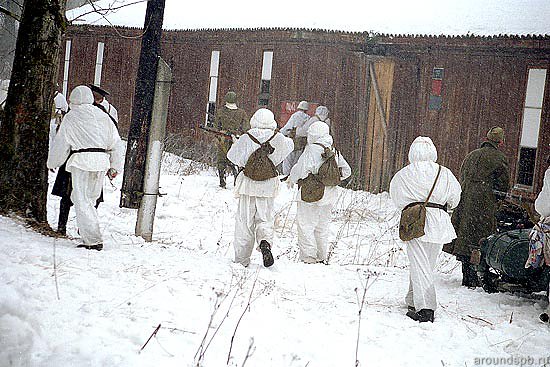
(504, 254)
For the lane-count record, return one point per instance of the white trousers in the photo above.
(422, 259)
(86, 190)
(254, 222)
(313, 231)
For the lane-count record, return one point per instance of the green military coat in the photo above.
(232, 121)
(483, 170)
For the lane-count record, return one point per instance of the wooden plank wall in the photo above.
(378, 156)
(479, 91)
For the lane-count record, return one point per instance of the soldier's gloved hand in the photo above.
(111, 173)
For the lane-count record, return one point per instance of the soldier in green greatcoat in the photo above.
(483, 171)
(234, 121)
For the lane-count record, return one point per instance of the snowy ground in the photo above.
(61, 306)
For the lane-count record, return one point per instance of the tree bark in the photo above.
(25, 126)
(138, 135)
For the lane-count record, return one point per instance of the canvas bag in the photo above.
(312, 189)
(413, 217)
(313, 186)
(329, 173)
(259, 167)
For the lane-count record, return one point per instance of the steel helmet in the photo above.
(231, 97)
(303, 105)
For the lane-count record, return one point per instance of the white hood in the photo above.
(81, 95)
(263, 119)
(422, 150)
(322, 113)
(318, 132)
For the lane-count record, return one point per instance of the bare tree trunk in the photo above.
(25, 126)
(138, 136)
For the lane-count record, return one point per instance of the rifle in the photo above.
(225, 134)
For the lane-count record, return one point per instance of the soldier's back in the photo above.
(232, 120)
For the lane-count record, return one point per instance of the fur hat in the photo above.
(98, 90)
(495, 134)
(263, 119)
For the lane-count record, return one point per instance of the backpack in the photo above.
(413, 217)
(259, 167)
(329, 173)
(313, 186)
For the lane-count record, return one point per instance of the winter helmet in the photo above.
(303, 105)
(231, 97)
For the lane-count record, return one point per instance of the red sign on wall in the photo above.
(289, 107)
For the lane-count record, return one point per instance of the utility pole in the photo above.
(146, 211)
(138, 135)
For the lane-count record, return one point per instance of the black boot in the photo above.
(64, 209)
(221, 173)
(98, 246)
(424, 315)
(265, 248)
(469, 274)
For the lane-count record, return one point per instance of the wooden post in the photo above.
(138, 135)
(146, 211)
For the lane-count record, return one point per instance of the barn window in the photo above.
(265, 86)
(213, 88)
(66, 66)
(99, 63)
(532, 112)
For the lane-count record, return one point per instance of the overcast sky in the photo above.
(479, 17)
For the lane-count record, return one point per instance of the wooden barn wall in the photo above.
(322, 71)
(479, 91)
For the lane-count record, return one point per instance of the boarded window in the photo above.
(265, 86)
(66, 66)
(532, 112)
(99, 63)
(212, 88)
